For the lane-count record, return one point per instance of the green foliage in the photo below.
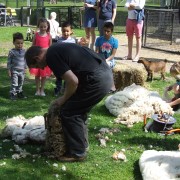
(99, 164)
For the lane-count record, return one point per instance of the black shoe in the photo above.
(20, 95)
(13, 96)
(71, 158)
(56, 91)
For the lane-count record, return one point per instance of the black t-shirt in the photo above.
(62, 57)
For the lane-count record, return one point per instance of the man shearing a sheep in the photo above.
(88, 79)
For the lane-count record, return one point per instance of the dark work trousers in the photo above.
(58, 83)
(17, 80)
(92, 88)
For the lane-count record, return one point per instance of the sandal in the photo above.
(136, 59)
(126, 58)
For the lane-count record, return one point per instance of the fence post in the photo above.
(146, 24)
(172, 29)
(21, 12)
(70, 14)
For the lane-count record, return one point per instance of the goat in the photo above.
(153, 66)
(29, 34)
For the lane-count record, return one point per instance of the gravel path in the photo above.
(145, 52)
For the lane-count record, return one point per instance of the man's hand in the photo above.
(71, 82)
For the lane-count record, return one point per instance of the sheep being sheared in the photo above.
(131, 104)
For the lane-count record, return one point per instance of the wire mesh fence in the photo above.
(162, 29)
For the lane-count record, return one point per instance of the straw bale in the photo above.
(127, 74)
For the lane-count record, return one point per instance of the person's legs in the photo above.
(20, 94)
(87, 31)
(43, 81)
(58, 87)
(74, 112)
(93, 38)
(20, 81)
(37, 81)
(129, 33)
(138, 48)
(138, 32)
(130, 46)
(14, 83)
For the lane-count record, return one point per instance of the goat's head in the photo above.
(141, 60)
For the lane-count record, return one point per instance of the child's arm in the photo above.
(97, 49)
(9, 61)
(112, 55)
(175, 102)
(34, 40)
(50, 40)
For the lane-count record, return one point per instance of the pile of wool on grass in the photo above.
(22, 130)
(131, 104)
(161, 165)
(38, 129)
(126, 74)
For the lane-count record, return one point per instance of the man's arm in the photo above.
(71, 81)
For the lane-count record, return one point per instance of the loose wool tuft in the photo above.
(160, 165)
(131, 104)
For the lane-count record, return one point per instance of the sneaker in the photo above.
(56, 91)
(21, 95)
(37, 93)
(42, 93)
(13, 96)
(71, 158)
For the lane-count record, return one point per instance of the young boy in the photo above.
(66, 29)
(107, 46)
(16, 66)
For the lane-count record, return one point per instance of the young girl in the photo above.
(175, 72)
(43, 39)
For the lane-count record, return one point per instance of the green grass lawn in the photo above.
(99, 164)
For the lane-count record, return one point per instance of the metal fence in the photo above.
(162, 29)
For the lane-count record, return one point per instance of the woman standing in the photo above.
(107, 13)
(134, 25)
(90, 20)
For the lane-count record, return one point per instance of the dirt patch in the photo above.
(145, 52)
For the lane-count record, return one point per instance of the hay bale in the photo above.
(127, 74)
(55, 143)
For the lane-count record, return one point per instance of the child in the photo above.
(43, 39)
(175, 72)
(17, 66)
(107, 45)
(66, 29)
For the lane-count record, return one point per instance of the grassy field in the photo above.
(99, 164)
